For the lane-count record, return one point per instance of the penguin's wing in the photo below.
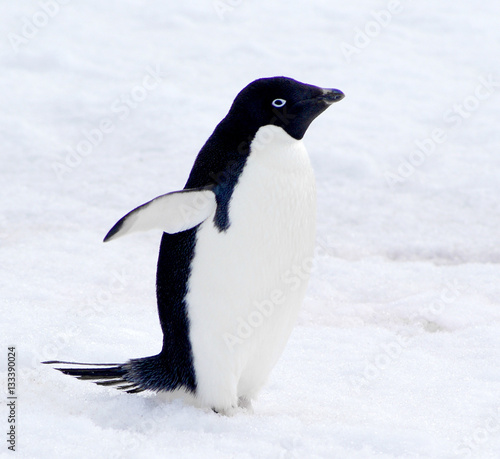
(172, 213)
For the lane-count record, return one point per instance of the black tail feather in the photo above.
(104, 374)
(136, 375)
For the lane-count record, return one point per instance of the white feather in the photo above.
(171, 212)
(247, 284)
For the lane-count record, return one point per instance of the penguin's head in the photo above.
(282, 102)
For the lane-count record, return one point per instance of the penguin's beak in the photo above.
(331, 96)
(303, 112)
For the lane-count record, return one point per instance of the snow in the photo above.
(104, 107)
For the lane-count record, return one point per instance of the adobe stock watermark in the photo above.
(11, 397)
(47, 11)
(389, 353)
(139, 430)
(291, 280)
(223, 7)
(363, 37)
(98, 301)
(453, 118)
(450, 293)
(120, 109)
(94, 305)
(51, 349)
(482, 434)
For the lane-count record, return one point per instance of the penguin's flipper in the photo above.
(172, 213)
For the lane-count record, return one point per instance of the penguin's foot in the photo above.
(229, 411)
(245, 403)
(244, 406)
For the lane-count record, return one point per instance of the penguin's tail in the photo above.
(136, 375)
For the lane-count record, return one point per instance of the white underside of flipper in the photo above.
(247, 283)
(171, 213)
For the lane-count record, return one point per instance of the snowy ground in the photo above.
(105, 105)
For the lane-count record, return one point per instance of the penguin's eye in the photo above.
(278, 103)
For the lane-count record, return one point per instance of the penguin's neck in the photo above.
(273, 147)
(277, 183)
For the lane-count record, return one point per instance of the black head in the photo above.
(278, 101)
(282, 102)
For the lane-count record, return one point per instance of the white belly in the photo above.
(247, 284)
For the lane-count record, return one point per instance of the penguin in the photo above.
(235, 254)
